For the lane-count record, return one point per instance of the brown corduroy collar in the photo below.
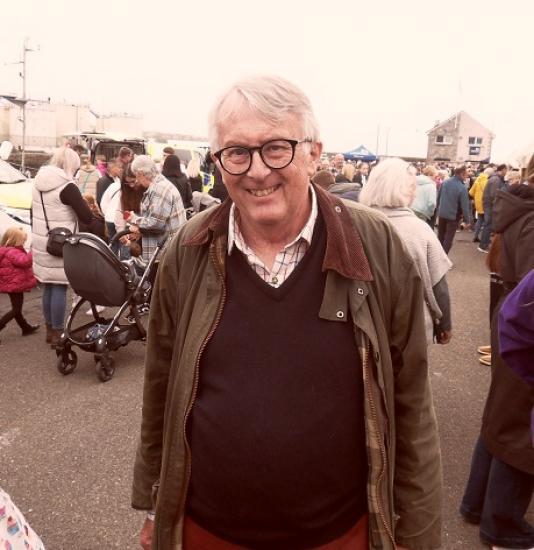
(344, 249)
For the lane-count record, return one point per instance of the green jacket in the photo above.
(372, 281)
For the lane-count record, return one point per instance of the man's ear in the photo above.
(316, 148)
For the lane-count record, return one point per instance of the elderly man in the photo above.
(286, 401)
(339, 162)
(162, 210)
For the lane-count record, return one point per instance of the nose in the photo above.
(258, 169)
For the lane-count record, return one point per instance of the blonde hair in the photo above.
(13, 236)
(513, 175)
(390, 185)
(430, 171)
(348, 171)
(66, 159)
(193, 167)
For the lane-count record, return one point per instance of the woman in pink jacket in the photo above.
(16, 276)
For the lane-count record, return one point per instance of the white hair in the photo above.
(66, 159)
(390, 185)
(145, 165)
(272, 97)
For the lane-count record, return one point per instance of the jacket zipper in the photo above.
(380, 441)
(195, 382)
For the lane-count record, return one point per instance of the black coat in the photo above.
(182, 184)
(506, 421)
(101, 185)
(219, 190)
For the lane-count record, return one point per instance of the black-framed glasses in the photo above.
(275, 154)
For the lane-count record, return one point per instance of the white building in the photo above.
(47, 123)
(120, 123)
(459, 139)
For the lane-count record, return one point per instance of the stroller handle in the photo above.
(119, 235)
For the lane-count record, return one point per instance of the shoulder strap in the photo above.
(44, 211)
(88, 175)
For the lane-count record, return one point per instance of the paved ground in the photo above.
(67, 443)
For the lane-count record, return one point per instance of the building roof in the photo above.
(459, 115)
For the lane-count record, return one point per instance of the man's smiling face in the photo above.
(263, 196)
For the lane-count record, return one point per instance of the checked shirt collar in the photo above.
(286, 260)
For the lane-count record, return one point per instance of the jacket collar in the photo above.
(344, 249)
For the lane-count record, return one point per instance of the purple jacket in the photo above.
(516, 328)
(16, 274)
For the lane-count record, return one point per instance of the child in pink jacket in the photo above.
(16, 276)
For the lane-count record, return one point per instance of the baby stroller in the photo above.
(98, 276)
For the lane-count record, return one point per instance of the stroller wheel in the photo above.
(66, 361)
(105, 368)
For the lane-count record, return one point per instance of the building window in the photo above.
(443, 140)
(475, 141)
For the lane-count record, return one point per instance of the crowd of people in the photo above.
(287, 401)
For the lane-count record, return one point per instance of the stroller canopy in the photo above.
(94, 272)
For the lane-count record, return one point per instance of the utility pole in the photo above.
(25, 50)
(21, 102)
(377, 138)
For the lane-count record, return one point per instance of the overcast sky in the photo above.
(397, 65)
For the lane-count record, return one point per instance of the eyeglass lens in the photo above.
(275, 154)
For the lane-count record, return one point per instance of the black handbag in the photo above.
(56, 237)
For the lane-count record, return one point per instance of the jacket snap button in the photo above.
(337, 209)
(360, 291)
(340, 315)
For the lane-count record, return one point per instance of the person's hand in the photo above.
(134, 228)
(445, 337)
(145, 538)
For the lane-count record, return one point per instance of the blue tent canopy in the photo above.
(360, 153)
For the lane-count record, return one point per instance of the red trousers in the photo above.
(196, 538)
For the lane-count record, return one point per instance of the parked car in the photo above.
(15, 193)
(106, 144)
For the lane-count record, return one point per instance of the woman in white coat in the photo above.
(56, 195)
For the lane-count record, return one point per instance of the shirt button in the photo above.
(337, 209)
(340, 314)
(274, 280)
